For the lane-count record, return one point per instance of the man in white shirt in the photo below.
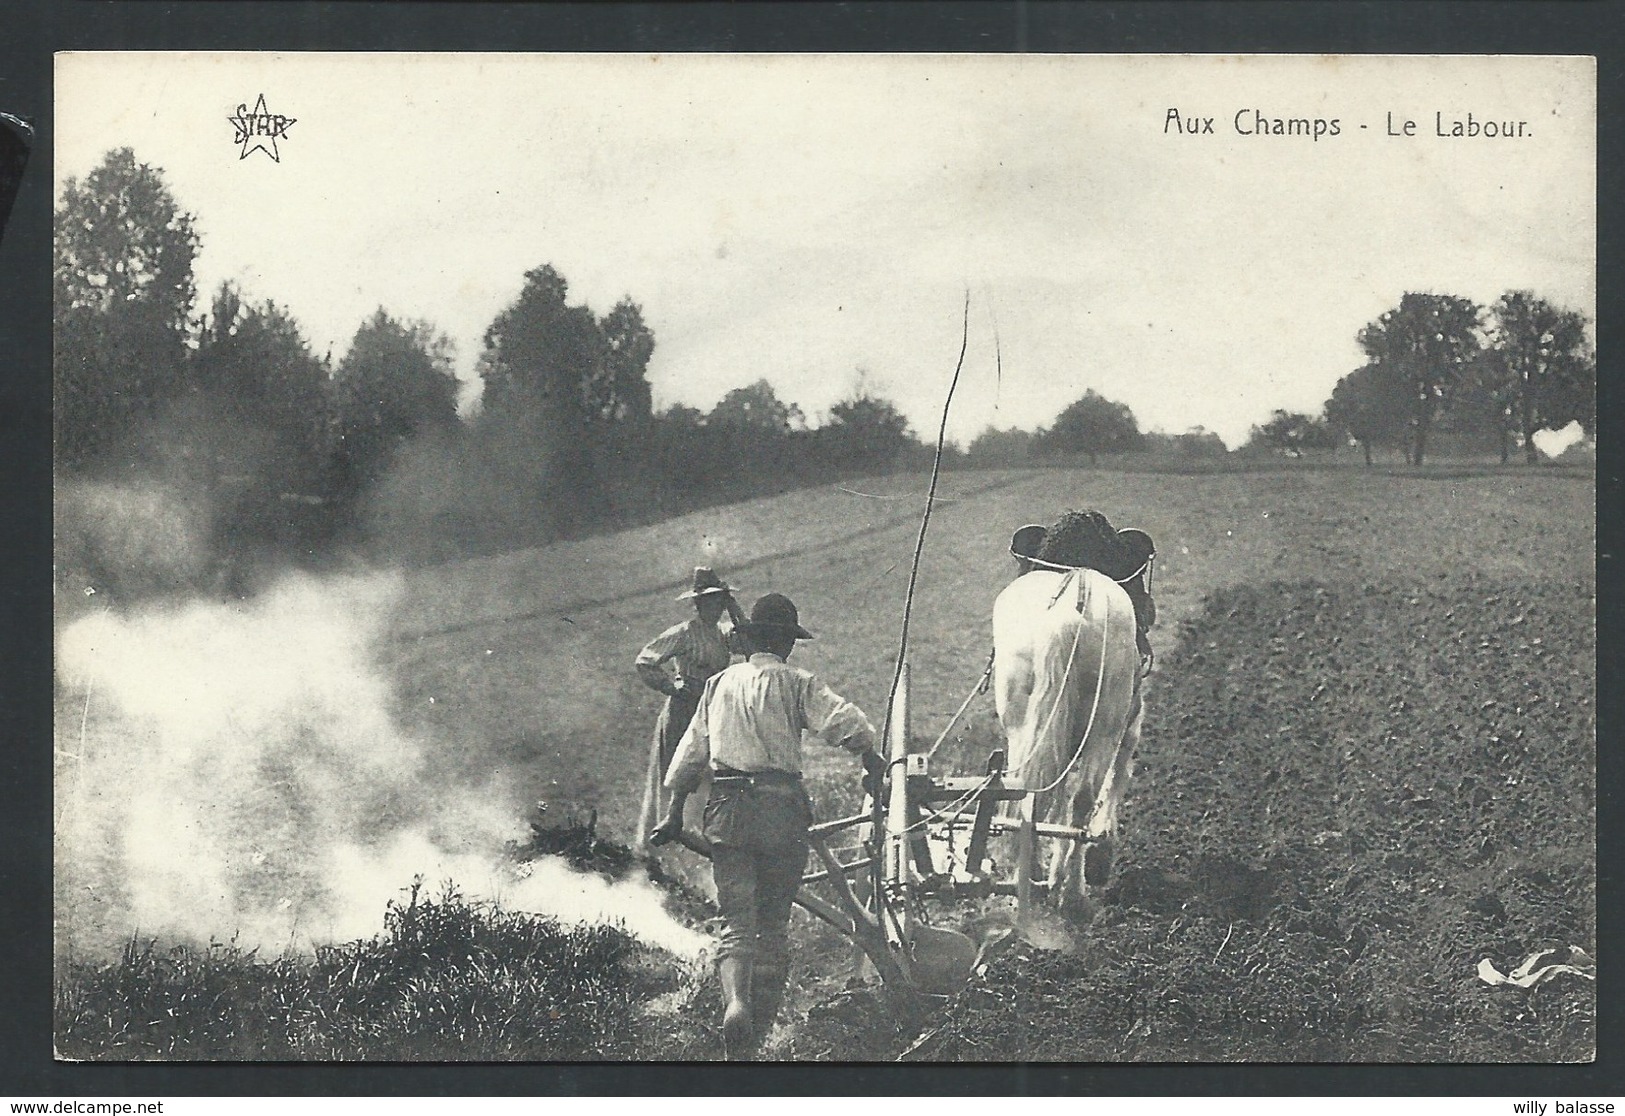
(747, 730)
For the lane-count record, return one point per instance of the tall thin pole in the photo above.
(925, 520)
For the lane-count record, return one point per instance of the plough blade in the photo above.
(939, 960)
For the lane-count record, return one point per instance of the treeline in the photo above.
(270, 451)
(1501, 373)
(1490, 378)
(291, 454)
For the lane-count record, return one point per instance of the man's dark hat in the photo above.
(774, 615)
(706, 582)
(1026, 541)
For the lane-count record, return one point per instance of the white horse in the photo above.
(1067, 688)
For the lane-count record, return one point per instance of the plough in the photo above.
(911, 849)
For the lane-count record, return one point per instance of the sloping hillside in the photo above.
(527, 656)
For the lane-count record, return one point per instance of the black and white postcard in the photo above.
(569, 557)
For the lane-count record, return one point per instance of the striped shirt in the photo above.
(697, 649)
(751, 718)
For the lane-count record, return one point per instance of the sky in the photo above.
(817, 221)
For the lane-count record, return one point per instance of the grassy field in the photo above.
(509, 679)
(528, 656)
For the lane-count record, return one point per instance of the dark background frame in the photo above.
(31, 30)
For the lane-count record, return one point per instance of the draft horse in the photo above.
(1067, 687)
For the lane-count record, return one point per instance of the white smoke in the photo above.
(148, 534)
(232, 771)
(552, 888)
(1553, 443)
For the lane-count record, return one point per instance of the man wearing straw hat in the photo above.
(696, 649)
(747, 734)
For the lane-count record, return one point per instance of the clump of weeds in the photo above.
(447, 980)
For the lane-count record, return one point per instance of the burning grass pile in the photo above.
(584, 849)
(1349, 796)
(449, 979)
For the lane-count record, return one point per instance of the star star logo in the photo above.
(260, 129)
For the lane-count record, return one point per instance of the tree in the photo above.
(1541, 371)
(1484, 402)
(1001, 447)
(123, 288)
(540, 356)
(256, 373)
(254, 361)
(682, 415)
(1371, 406)
(1427, 341)
(121, 238)
(757, 407)
(618, 391)
(1196, 442)
(114, 372)
(1199, 442)
(867, 430)
(258, 421)
(1292, 432)
(1092, 425)
(395, 384)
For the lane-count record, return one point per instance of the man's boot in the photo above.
(738, 1029)
(767, 996)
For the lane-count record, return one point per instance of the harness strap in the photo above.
(1144, 567)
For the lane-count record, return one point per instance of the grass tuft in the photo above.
(448, 980)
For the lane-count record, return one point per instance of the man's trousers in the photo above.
(758, 836)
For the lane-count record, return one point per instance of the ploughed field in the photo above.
(1349, 795)
(1367, 765)
(1368, 759)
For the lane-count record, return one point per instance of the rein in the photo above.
(1094, 708)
